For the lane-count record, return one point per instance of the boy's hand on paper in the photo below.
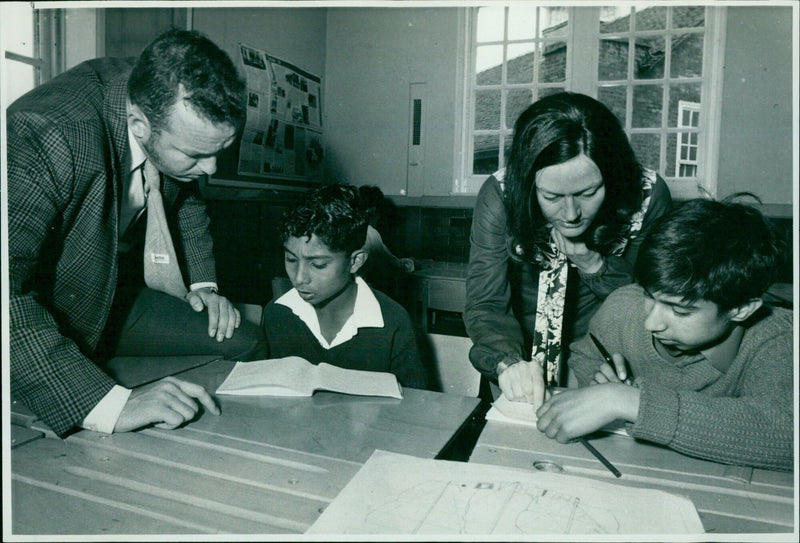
(167, 403)
(577, 412)
(608, 374)
(223, 318)
(522, 381)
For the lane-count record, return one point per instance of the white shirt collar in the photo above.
(366, 314)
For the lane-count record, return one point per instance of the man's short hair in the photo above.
(333, 213)
(189, 60)
(724, 252)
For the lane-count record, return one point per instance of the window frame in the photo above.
(685, 140)
(49, 55)
(583, 40)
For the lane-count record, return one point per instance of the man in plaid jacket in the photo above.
(76, 149)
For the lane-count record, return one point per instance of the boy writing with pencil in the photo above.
(331, 315)
(710, 365)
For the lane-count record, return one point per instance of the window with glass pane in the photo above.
(650, 64)
(687, 142)
(650, 73)
(520, 55)
(22, 58)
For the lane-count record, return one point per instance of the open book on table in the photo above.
(295, 376)
(504, 410)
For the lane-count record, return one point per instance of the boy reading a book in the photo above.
(331, 315)
(710, 366)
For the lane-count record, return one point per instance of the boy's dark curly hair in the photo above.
(333, 213)
(724, 252)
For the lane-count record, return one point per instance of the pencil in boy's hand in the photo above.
(607, 357)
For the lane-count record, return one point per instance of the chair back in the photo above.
(449, 356)
(280, 286)
(250, 312)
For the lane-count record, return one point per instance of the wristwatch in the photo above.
(215, 290)
(502, 366)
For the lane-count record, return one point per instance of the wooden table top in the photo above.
(265, 465)
(729, 499)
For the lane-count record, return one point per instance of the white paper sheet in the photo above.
(400, 494)
(504, 410)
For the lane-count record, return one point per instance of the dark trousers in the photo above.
(157, 324)
(148, 323)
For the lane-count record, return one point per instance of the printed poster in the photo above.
(282, 137)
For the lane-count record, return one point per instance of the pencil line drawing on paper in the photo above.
(487, 508)
(399, 494)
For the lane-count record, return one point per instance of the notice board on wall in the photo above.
(281, 144)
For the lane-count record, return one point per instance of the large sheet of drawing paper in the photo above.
(400, 494)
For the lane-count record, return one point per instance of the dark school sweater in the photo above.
(392, 348)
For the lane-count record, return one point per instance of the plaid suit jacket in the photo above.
(67, 156)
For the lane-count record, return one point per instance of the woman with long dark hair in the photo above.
(552, 236)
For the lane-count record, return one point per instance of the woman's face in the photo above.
(570, 194)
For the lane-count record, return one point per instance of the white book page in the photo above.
(295, 376)
(363, 383)
(290, 376)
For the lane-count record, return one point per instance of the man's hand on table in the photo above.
(223, 318)
(167, 403)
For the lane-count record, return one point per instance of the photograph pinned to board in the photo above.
(282, 137)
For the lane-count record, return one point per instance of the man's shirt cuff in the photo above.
(103, 418)
(197, 286)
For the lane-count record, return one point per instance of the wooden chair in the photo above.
(437, 286)
(456, 375)
(449, 356)
(280, 286)
(250, 312)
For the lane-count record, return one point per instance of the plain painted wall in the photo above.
(294, 35)
(373, 55)
(756, 132)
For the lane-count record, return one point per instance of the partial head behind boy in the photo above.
(705, 266)
(323, 237)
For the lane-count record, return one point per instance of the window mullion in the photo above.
(503, 92)
(631, 64)
(582, 50)
(49, 40)
(666, 99)
(711, 93)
